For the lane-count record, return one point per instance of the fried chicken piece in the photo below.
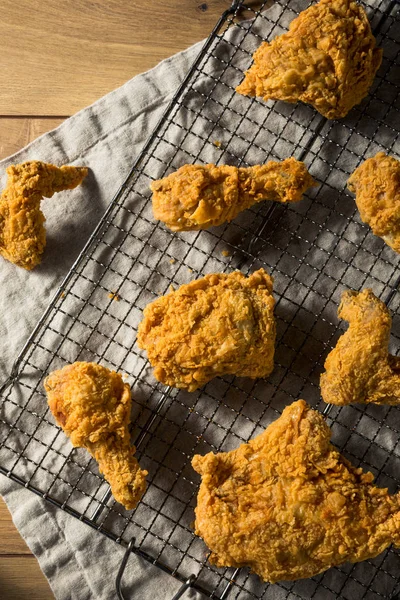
(221, 324)
(376, 183)
(327, 59)
(22, 232)
(360, 368)
(288, 505)
(92, 405)
(198, 197)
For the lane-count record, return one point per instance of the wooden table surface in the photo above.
(56, 58)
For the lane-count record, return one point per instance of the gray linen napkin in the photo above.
(106, 137)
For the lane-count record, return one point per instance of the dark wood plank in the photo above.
(15, 133)
(21, 579)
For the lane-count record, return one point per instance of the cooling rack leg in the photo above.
(185, 586)
(122, 569)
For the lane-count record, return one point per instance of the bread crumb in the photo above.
(225, 253)
(190, 270)
(217, 143)
(172, 261)
(114, 296)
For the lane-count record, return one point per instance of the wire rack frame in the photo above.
(314, 250)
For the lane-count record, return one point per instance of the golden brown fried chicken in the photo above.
(288, 505)
(22, 232)
(360, 368)
(92, 405)
(221, 324)
(376, 183)
(198, 197)
(327, 59)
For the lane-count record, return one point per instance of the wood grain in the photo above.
(21, 579)
(20, 574)
(15, 133)
(10, 540)
(58, 57)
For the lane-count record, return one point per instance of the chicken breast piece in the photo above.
(376, 184)
(288, 505)
(360, 368)
(198, 197)
(221, 324)
(327, 59)
(93, 405)
(22, 232)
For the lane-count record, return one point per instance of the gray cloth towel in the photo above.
(106, 137)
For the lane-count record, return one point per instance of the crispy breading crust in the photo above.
(327, 59)
(288, 505)
(22, 232)
(360, 368)
(376, 183)
(202, 196)
(93, 405)
(221, 324)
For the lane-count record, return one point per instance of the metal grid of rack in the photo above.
(314, 250)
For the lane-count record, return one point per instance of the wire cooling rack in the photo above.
(315, 250)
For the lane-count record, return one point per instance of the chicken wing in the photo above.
(92, 405)
(288, 505)
(327, 59)
(376, 183)
(198, 197)
(221, 324)
(22, 232)
(360, 368)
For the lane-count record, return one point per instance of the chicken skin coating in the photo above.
(22, 232)
(327, 59)
(376, 183)
(198, 197)
(288, 505)
(221, 324)
(360, 368)
(92, 405)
